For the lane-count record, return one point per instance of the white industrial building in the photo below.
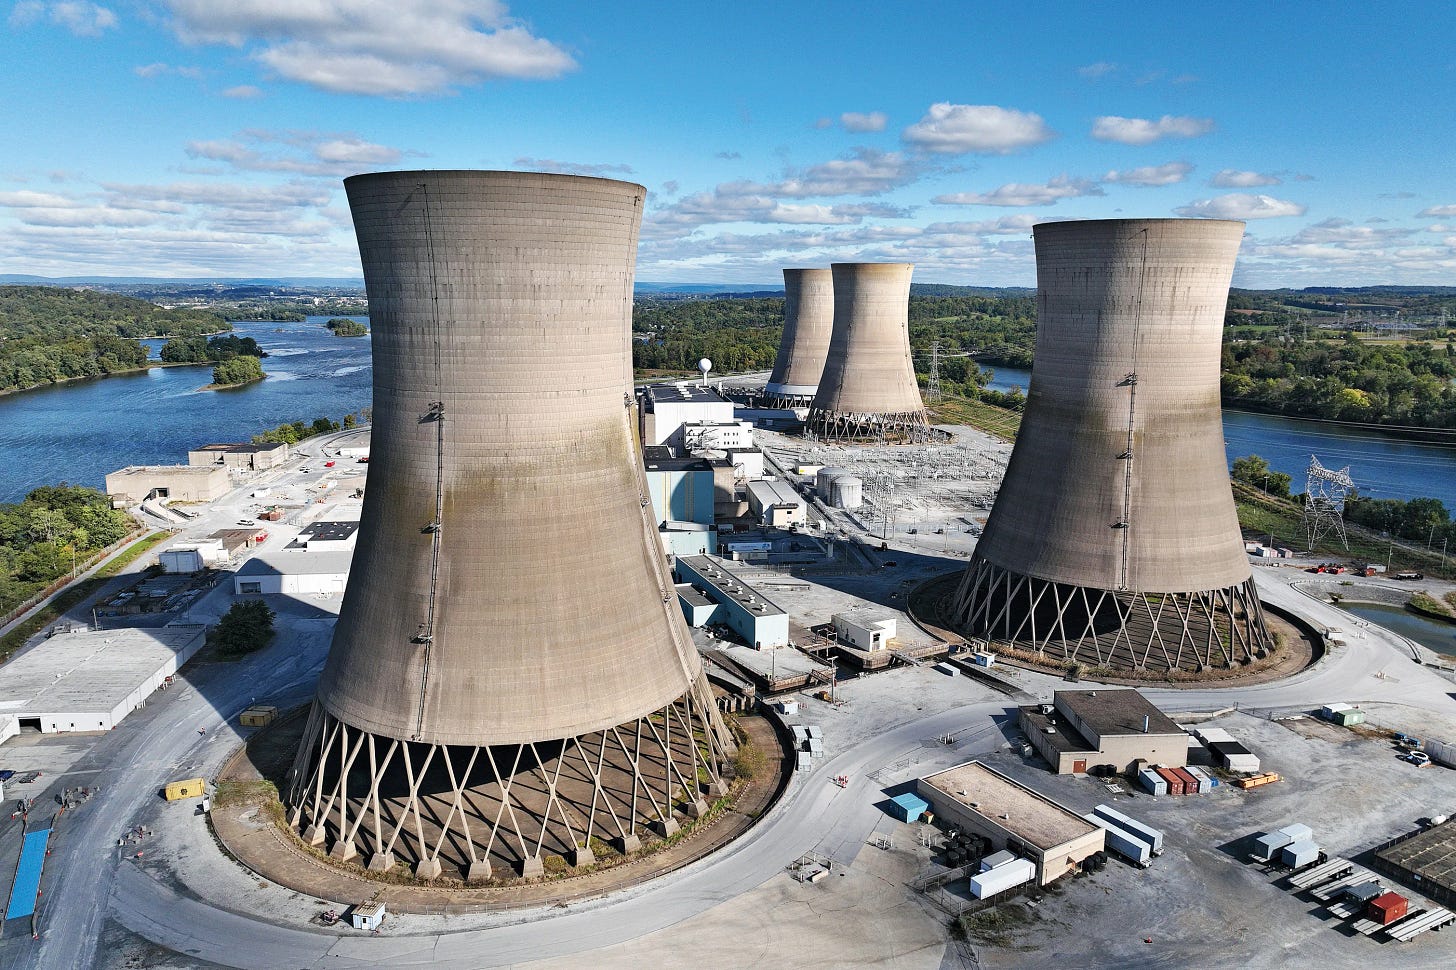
(294, 572)
(717, 435)
(865, 628)
(90, 681)
(665, 408)
(330, 535)
(192, 557)
(776, 503)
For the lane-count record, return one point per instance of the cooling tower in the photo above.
(808, 324)
(1113, 541)
(868, 388)
(510, 676)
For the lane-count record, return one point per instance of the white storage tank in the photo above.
(824, 480)
(846, 492)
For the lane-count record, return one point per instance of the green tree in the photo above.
(238, 370)
(1255, 471)
(245, 627)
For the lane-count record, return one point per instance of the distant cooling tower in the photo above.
(511, 676)
(1113, 540)
(808, 324)
(868, 388)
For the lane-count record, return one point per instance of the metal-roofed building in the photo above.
(741, 608)
(1087, 729)
(89, 681)
(982, 800)
(776, 503)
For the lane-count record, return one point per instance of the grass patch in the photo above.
(1000, 422)
(1450, 599)
(132, 553)
(997, 925)
(1425, 603)
(260, 792)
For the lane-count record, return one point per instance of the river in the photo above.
(1382, 466)
(80, 431)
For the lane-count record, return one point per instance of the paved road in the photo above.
(87, 878)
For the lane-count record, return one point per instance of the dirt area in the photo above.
(247, 817)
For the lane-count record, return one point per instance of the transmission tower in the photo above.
(1325, 491)
(932, 386)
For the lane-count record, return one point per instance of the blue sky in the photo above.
(208, 137)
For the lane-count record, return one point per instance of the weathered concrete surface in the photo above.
(1117, 297)
(808, 325)
(506, 297)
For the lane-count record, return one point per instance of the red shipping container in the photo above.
(1387, 908)
(1190, 784)
(1175, 784)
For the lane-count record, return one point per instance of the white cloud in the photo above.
(860, 122)
(1150, 176)
(298, 152)
(79, 17)
(1022, 194)
(981, 128)
(867, 171)
(243, 92)
(1234, 179)
(1438, 212)
(572, 168)
(1343, 233)
(1099, 70)
(394, 48)
(158, 69)
(1240, 205)
(1142, 131)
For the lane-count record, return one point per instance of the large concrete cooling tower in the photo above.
(868, 388)
(511, 676)
(808, 324)
(1114, 541)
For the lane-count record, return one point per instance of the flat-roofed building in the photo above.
(293, 572)
(665, 408)
(865, 628)
(741, 608)
(1087, 729)
(332, 535)
(176, 483)
(89, 681)
(240, 455)
(776, 503)
(980, 799)
(679, 489)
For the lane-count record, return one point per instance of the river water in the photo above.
(1381, 466)
(78, 432)
(1440, 637)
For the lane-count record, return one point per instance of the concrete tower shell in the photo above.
(808, 326)
(508, 588)
(868, 386)
(1117, 483)
(504, 296)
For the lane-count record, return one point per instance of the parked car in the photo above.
(1409, 575)
(246, 522)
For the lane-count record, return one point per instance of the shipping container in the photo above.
(1299, 854)
(1267, 846)
(1002, 878)
(1153, 781)
(1210, 735)
(1175, 784)
(1153, 837)
(187, 788)
(1190, 784)
(909, 807)
(259, 715)
(997, 859)
(1298, 831)
(1441, 752)
(1329, 711)
(1123, 842)
(1387, 909)
(1206, 782)
(1350, 718)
